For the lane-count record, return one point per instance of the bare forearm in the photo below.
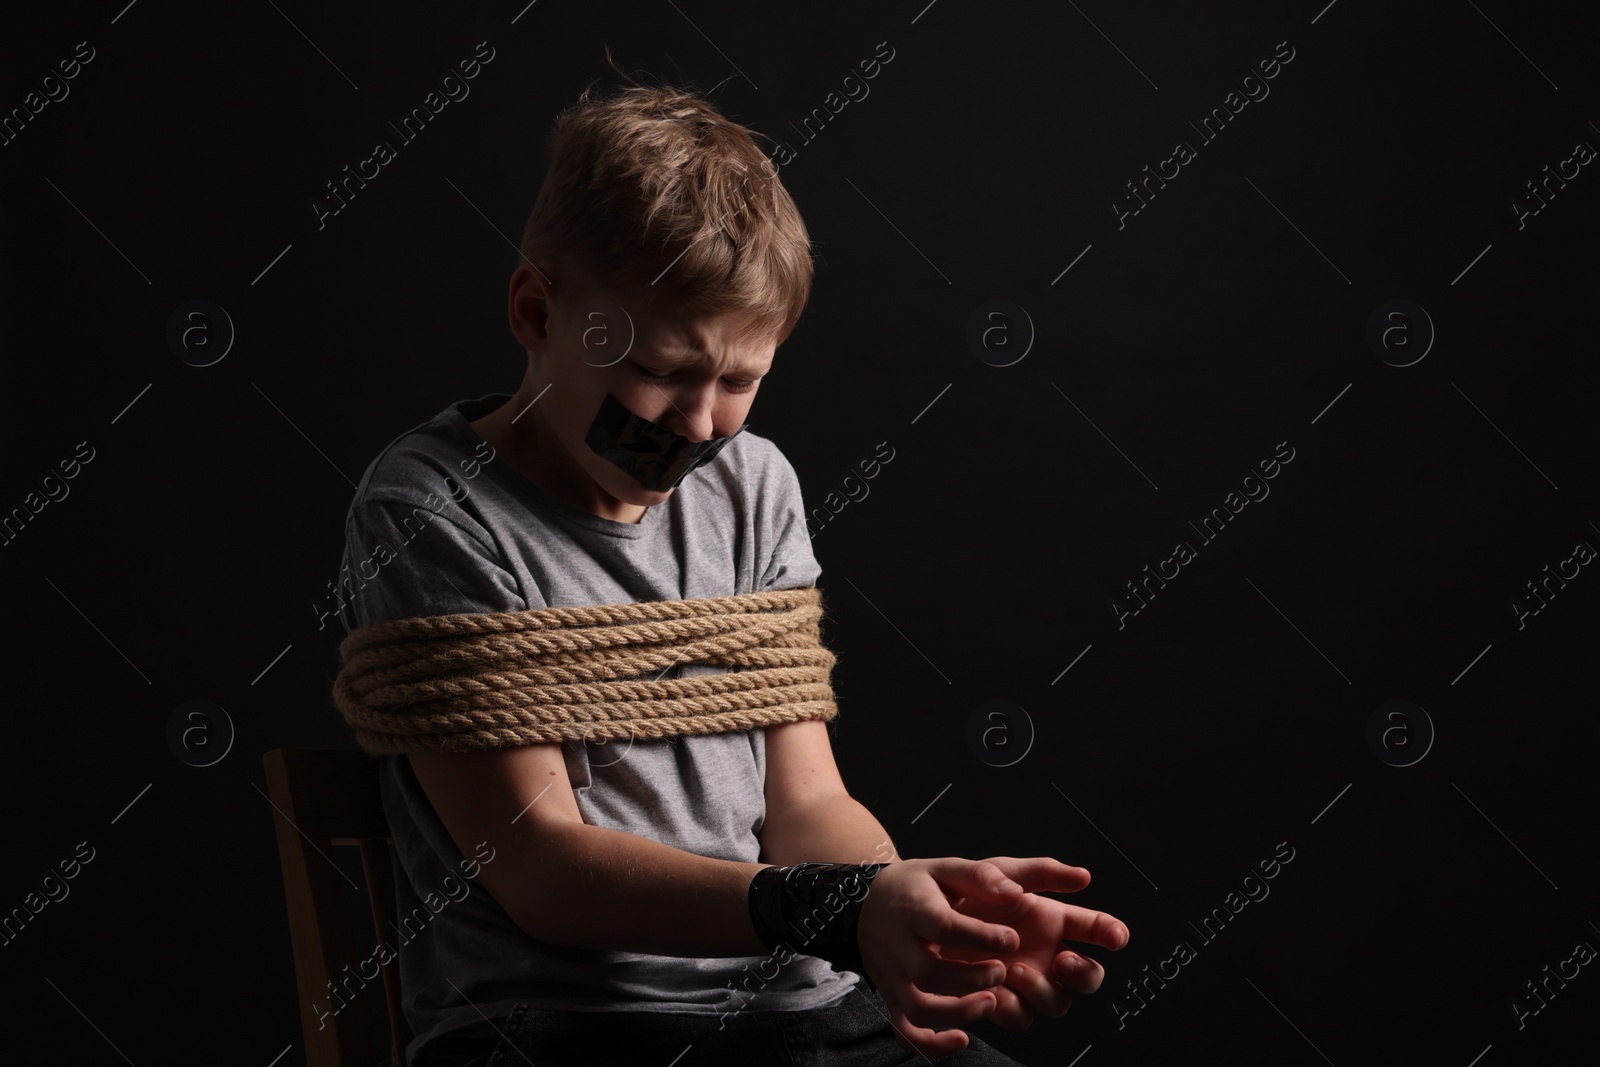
(599, 888)
(833, 829)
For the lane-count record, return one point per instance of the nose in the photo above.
(690, 411)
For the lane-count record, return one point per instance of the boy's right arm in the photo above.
(568, 883)
(580, 886)
(559, 879)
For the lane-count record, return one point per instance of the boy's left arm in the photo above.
(811, 817)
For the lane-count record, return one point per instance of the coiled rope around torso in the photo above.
(459, 683)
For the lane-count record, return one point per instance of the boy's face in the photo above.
(691, 374)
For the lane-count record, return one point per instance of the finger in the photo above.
(952, 879)
(924, 1009)
(974, 878)
(1039, 874)
(1077, 972)
(929, 1043)
(954, 978)
(936, 921)
(932, 1045)
(1044, 996)
(937, 970)
(1010, 1012)
(1093, 927)
(948, 928)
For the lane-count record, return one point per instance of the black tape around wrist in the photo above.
(813, 909)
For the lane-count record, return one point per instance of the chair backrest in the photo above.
(327, 797)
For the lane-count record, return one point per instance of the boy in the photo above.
(618, 917)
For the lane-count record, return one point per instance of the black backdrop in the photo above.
(1442, 848)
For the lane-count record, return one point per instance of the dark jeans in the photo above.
(852, 1033)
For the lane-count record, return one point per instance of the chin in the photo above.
(655, 496)
(636, 492)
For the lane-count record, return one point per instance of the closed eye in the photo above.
(734, 386)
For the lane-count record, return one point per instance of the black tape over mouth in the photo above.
(651, 454)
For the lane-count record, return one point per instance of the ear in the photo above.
(528, 307)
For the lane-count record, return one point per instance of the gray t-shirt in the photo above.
(462, 532)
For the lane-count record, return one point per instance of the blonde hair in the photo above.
(651, 187)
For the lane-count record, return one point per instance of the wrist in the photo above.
(813, 909)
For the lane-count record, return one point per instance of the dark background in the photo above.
(1231, 314)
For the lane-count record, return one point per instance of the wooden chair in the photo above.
(327, 797)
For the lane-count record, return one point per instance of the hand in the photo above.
(1049, 975)
(906, 918)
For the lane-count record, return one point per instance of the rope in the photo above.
(461, 683)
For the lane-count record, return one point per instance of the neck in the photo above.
(530, 445)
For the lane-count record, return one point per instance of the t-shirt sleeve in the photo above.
(424, 564)
(792, 564)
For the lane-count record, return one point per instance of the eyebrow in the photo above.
(686, 354)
